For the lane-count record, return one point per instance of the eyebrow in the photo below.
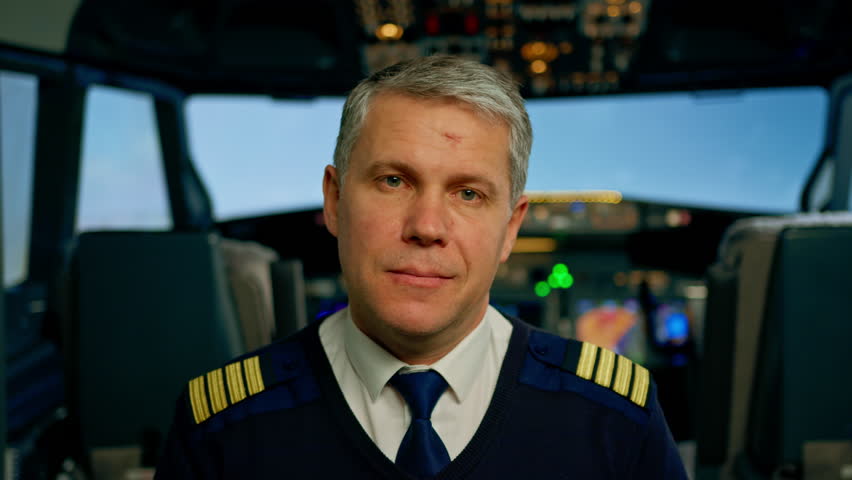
(396, 165)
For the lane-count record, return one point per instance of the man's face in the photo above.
(423, 219)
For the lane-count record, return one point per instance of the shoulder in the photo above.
(274, 377)
(558, 364)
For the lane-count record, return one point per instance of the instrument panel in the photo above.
(550, 47)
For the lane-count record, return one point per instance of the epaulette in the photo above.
(590, 363)
(608, 369)
(219, 389)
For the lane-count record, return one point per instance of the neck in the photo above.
(416, 352)
(420, 349)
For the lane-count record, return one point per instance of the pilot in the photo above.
(419, 377)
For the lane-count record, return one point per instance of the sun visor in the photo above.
(221, 45)
(41, 26)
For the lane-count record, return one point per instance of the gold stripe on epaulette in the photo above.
(212, 386)
(198, 399)
(586, 364)
(234, 374)
(216, 388)
(615, 372)
(253, 375)
(641, 381)
(622, 376)
(249, 378)
(606, 364)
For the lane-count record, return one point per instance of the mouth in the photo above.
(419, 278)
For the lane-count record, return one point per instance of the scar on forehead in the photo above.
(452, 137)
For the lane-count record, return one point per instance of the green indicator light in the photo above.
(560, 269)
(553, 281)
(566, 281)
(542, 289)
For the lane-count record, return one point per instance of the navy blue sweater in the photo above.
(561, 409)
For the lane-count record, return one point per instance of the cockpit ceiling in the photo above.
(553, 48)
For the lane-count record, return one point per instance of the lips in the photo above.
(417, 272)
(417, 277)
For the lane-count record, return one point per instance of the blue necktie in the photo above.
(421, 453)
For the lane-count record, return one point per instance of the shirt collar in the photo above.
(375, 366)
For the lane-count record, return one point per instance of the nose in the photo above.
(427, 221)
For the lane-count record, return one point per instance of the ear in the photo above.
(331, 198)
(518, 213)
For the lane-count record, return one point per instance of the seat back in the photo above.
(153, 309)
(740, 293)
(802, 393)
(737, 285)
(248, 265)
(288, 286)
(714, 402)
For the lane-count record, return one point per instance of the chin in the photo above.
(416, 324)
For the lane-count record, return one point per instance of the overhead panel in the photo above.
(551, 47)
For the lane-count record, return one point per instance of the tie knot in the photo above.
(420, 390)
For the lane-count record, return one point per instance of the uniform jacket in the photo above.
(561, 409)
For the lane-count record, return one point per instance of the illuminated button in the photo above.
(389, 31)
(539, 51)
(553, 281)
(541, 213)
(673, 218)
(538, 66)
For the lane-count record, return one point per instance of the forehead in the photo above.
(387, 103)
(400, 124)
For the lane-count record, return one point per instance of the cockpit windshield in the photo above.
(259, 155)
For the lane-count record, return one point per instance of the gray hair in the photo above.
(489, 92)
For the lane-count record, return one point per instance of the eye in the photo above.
(468, 195)
(393, 181)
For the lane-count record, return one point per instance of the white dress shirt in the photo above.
(363, 368)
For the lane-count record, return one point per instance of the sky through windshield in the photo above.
(746, 150)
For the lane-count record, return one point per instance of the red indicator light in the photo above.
(471, 24)
(433, 27)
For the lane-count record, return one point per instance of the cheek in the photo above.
(482, 245)
(367, 229)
